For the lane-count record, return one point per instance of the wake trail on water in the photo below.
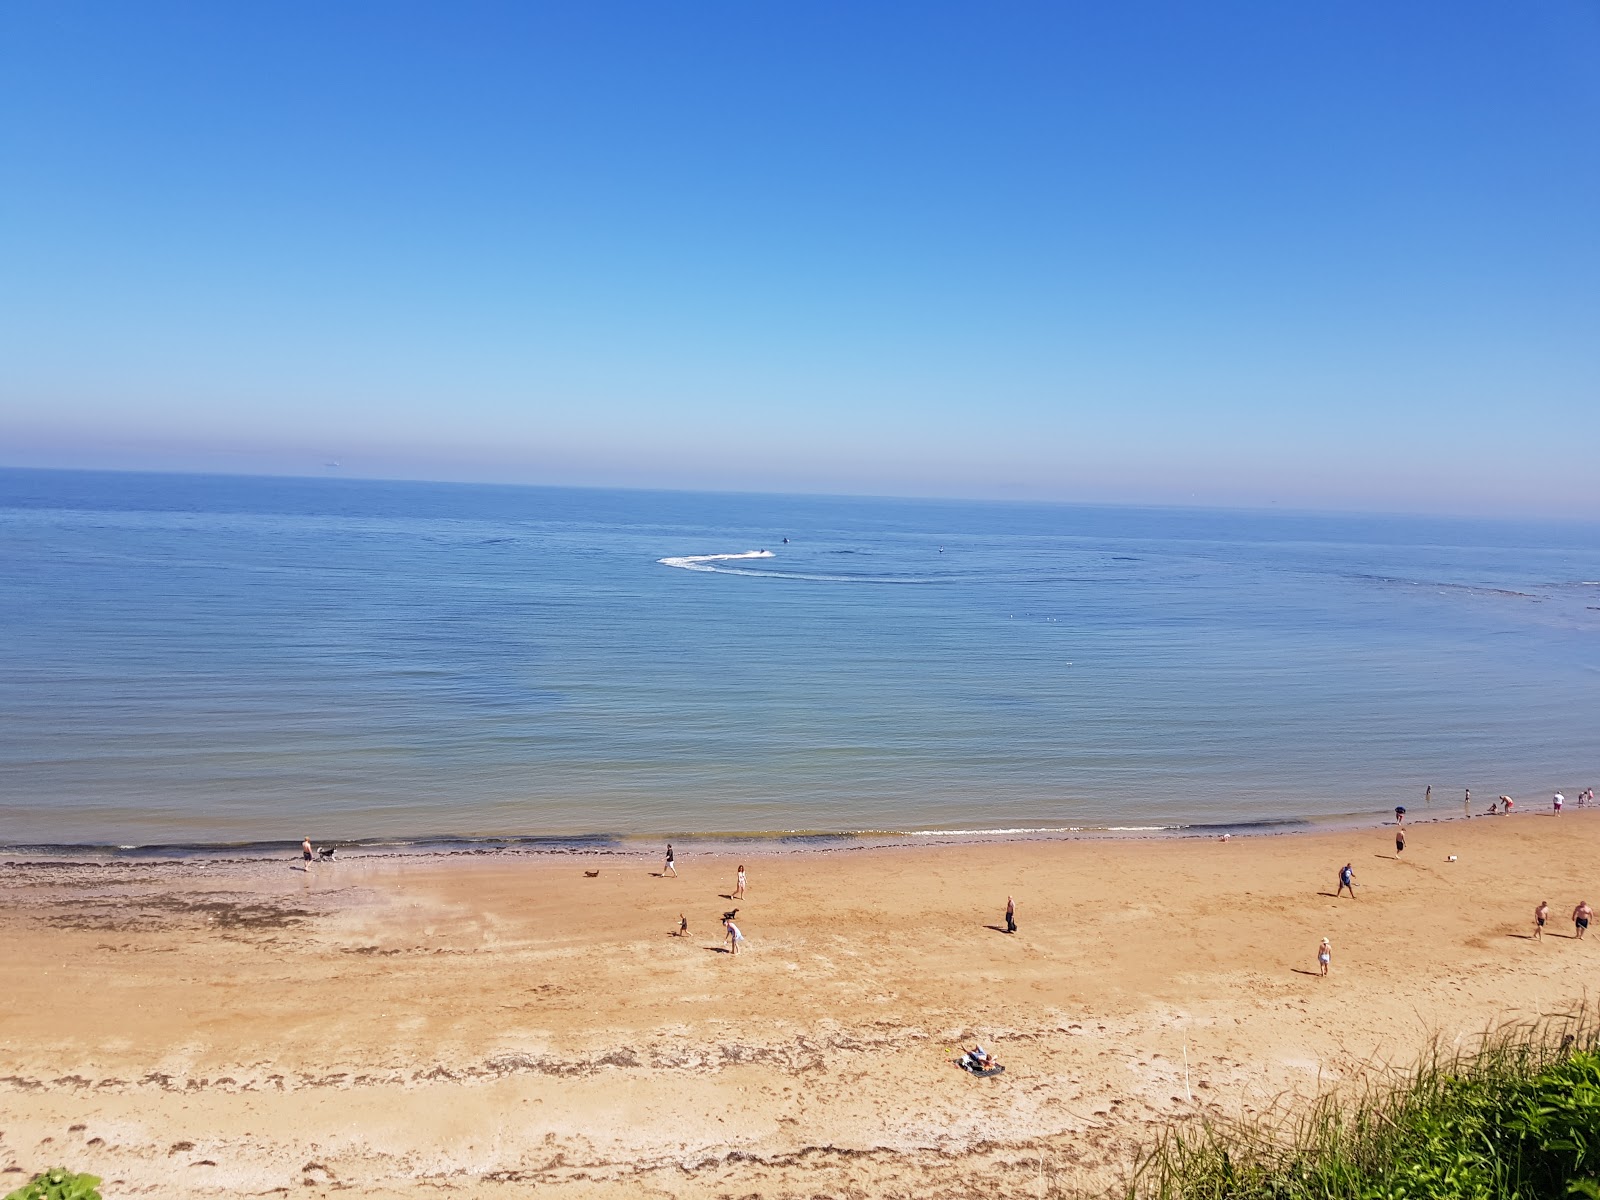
(698, 562)
(710, 563)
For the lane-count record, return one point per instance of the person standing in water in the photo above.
(1580, 918)
(1011, 915)
(1324, 956)
(1540, 916)
(1347, 879)
(669, 866)
(1467, 804)
(738, 888)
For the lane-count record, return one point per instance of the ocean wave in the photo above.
(991, 832)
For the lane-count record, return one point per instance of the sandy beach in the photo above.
(508, 1027)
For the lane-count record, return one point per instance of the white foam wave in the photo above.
(991, 832)
(697, 562)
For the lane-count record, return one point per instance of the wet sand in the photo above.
(507, 1027)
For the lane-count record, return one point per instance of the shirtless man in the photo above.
(1580, 918)
(1347, 879)
(1540, 916)
(306, 852)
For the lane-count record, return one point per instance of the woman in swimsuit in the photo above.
(1324, 955)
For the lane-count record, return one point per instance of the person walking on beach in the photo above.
(306, 852)
(735, 938)
(669, 866)
(1556, 802)
(1347, 879)
(1399, 841)
(1580, 918)
(1324, 956)
(738, 888)
(1011, 915)
(1540, 916)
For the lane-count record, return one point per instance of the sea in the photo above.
(192, 661)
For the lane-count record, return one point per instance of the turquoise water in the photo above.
(195, 659)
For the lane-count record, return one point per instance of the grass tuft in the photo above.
(1517, 1117)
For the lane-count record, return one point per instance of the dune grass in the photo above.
(1517, 1116)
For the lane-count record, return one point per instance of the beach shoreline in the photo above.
(505, 1024)
(642, 845)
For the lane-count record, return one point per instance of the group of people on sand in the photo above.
(1581, 917)
(732, 934)
(1502, 805)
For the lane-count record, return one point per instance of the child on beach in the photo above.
(1347, 879)
(305, 849)
(1324, 956)
(1540, 916)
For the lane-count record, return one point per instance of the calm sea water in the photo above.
(195, 659)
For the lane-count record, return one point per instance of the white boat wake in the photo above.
(697, 562)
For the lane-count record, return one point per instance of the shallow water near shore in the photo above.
(206, 660)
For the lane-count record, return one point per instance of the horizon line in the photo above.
(1272, 507)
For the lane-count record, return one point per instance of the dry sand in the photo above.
(507, 1027)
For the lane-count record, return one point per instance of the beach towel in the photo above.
(983, 1074)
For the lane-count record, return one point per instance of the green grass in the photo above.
(58, 1183)
(1518, 1118)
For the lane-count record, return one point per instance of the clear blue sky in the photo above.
(1322, 255)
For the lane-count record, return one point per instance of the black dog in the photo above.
(730, 914)
(326, 853)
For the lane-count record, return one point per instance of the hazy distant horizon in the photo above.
(1498, 514)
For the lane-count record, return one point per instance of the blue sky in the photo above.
(1341, 256)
